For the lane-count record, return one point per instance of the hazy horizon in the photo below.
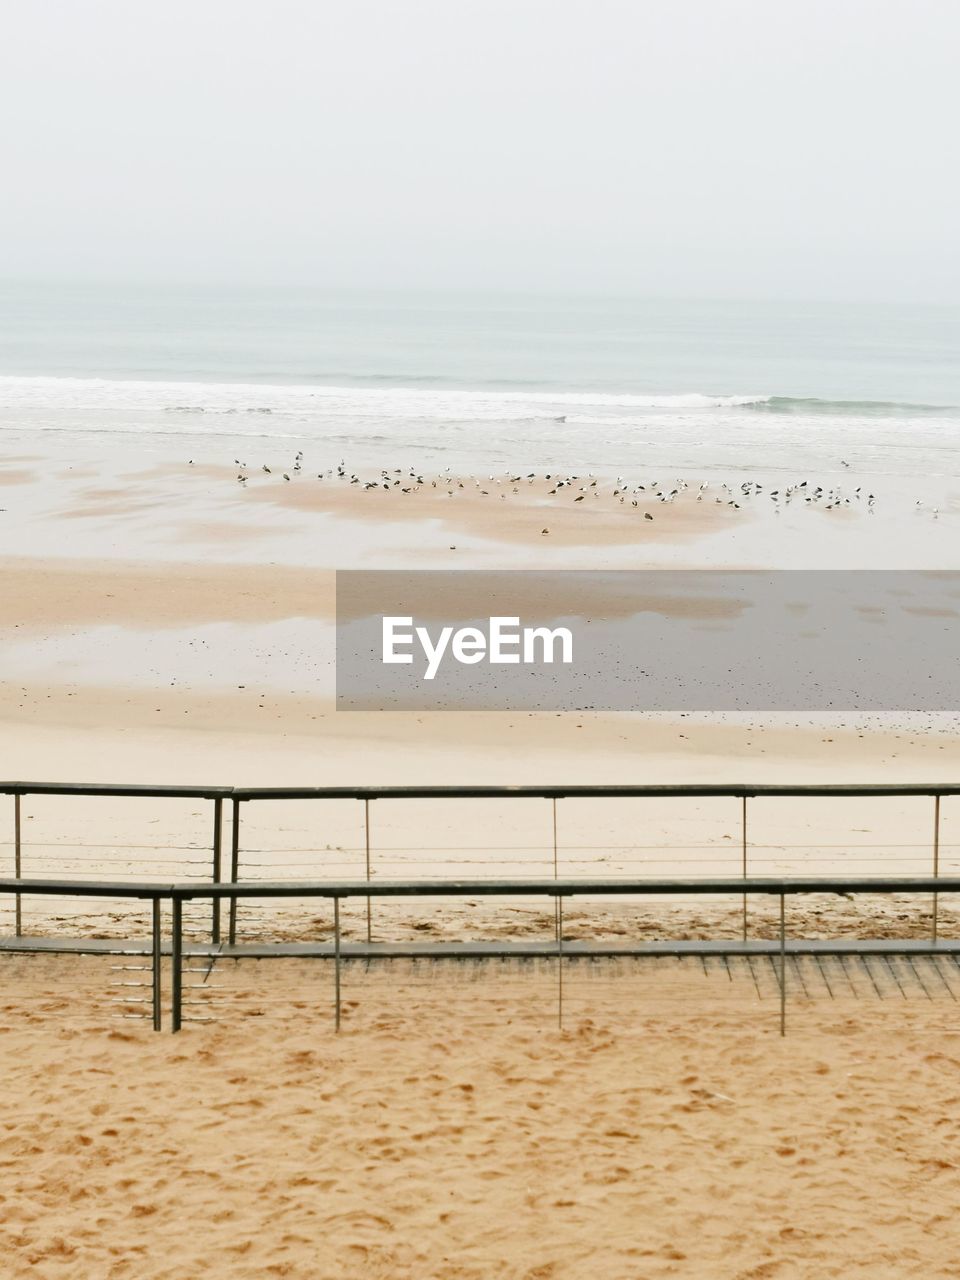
(200, 286)
(735, 151)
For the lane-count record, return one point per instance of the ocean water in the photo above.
(484, 381)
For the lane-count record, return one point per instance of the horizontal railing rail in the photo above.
(598, 791)
(87, 888)
(565, 888)
(585, 791)
(113, 789)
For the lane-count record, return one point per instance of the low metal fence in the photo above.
(558, 889)
(20, 790)
(229, 866)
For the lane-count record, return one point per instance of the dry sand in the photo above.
(451, 1131)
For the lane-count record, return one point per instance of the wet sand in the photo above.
(159, 504)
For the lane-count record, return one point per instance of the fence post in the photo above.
(366, 831)
(560, 962)
(16, 862)
(176, 968)
(336, 962)
(217, 835)
(783, 973)
(234, 869)
(936, 859)
(555, 864)
(157, 1016)
(743, 835)
(556, 901)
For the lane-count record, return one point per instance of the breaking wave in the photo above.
(99, 403)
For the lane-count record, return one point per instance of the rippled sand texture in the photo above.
(666, 1131)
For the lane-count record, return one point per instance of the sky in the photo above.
(691, 148)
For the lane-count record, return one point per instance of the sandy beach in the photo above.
(666, 1130)
(456, 462)
(452, 1131)
(167, 615)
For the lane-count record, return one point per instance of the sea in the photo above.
(484, 381)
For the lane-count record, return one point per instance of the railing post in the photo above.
(336, 963)
(743, 859)
(936, 859)
(217, 834)
(157, 1016)
(176, 966)
(556, 900)
(783, 972)
(234, 869)
(366, 832)
(18, 914)
(555, 864)
(559, 962)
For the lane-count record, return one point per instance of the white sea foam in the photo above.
(404, 402)
(472, 429)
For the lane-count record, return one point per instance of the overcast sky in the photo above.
(739, 148)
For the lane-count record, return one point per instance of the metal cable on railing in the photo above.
(372, 859)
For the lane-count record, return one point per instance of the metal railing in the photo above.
(18, 790)
(558, 889)
(238, 796)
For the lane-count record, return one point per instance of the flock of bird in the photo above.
(581, 488)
